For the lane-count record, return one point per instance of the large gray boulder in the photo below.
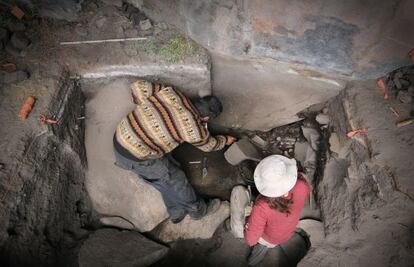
(111, 247)
(120, 196)
(191, 229)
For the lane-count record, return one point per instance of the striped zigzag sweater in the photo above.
(162, 119)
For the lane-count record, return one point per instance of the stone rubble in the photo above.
(400, 83)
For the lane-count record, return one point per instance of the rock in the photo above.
(19, 40)
(100, 22)
(260, 142)
(241, 150)
(15, 77)
(116, 192)
(312, 136)
(145, 25)
(190, 229)
(117, 222)
(110, 247)
(10, 49)
(322, 119)
(274, 149)
(81, 30)
(334, 144)
(405, 96)
(300, 151)
(397, 82)
(161, 25)
(16, 26)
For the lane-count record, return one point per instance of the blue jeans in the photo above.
(167, 177)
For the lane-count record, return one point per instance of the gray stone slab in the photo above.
(116, 192)
(110, 247)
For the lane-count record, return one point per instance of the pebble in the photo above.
(101, 22)
(278, 138)
(145, 24)
(80, 30)
(322, 119)
(16, 26)
(14, 51)
(19, 40)
(405, 97)
(334, 144)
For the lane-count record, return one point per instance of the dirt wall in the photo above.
(43, 207)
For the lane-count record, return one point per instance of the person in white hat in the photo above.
(277, 209)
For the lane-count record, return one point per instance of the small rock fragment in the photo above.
(260, 142)
(15, 77)
(322, 119)
(145, 25)
(334, 143)
(162, 25)
(274, 149)
(16, 26)
(279, 139)
(397, 83)
(14, 51)
(80, 30)
(100, 22)
(404, 96)
(19, 40)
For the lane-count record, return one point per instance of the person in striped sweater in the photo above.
(163, 119)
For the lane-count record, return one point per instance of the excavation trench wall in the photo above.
(44, 205)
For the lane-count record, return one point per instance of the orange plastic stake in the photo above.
(17, 12)
(381, 84)
(27, 107)
(356, 132)
(45, 120)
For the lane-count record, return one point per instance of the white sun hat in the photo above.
(275, 175)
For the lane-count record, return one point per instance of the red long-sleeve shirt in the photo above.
(272, 225)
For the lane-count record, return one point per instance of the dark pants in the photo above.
(166, 176)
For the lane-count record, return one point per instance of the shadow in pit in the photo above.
(218, 177)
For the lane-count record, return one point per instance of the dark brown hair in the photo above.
(280, 203)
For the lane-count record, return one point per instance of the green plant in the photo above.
(176, 48)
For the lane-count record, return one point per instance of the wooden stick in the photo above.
(405, 123)
(104, 41)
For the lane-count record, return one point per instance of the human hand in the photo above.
(230, 140)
